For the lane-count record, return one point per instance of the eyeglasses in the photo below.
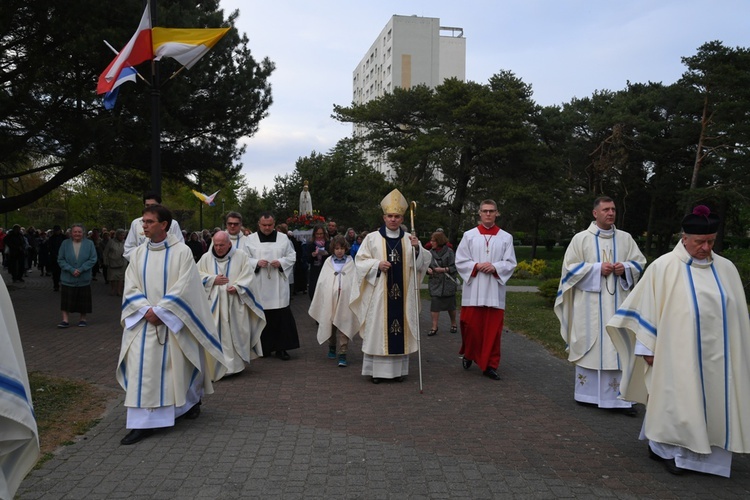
(233, 223)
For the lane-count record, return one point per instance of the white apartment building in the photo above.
(410, 50)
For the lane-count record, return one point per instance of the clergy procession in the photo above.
(673, 336)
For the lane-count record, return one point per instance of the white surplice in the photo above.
(136, 237)
(585, 302)
(482, 289)
(160, 366)
(369, 299)
(19, 437)
(271, 285)
(693, 317)
(238, 316)
(330, 304)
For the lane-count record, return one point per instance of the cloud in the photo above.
(563, 49)
(278, 144)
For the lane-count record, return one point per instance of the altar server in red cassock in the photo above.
(485, 260)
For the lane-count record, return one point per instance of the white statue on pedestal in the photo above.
(305, 201)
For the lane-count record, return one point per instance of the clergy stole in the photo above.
(395, 294)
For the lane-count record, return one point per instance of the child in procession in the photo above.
(330, 304)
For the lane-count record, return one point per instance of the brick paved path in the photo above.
(307, 429)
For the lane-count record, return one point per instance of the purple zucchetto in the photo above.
(701, 221)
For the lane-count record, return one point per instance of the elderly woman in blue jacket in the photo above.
(76, 258)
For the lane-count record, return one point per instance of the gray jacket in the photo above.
(441, 285)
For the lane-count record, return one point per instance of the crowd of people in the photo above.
(222, 298)
(198, 307)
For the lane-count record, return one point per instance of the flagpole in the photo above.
(136, 71)
(155, 118)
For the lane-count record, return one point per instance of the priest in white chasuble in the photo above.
(485, 260)
(136, 235)
(19, 436)
(601, 265)
(272, 258)
(168, 332)
(683, 335)
(227, 276)
(385, 300)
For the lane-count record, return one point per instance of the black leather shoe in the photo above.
(654, 456)
(629, 412)
(136, 435)
(669, 463)
(283, 355)
(466, 363)
(193, 412)
(672, 468)
(491, 373)
(375, 380)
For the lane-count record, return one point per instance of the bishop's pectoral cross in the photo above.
(394, 255)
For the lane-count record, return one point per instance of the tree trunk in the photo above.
(459, 200)
(650, 226)
(722, 213)
(535, 237)
(699, 150)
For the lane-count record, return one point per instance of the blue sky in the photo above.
(562, 48)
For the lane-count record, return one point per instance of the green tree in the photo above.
(720, 77)
(449, 145)
(343, 187)
(52, 121)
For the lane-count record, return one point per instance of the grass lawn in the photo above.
(64, 409)
(531, 315)
(525, 281)
(524, 253)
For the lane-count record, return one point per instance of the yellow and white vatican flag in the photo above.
(184, 44)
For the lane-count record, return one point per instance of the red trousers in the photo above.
(481, 329)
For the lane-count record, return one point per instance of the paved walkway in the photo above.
(307, 429)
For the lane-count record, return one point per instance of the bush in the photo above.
(548, 289)
(524, 270)
(736, 242)
(741, 259)
(552, 270)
